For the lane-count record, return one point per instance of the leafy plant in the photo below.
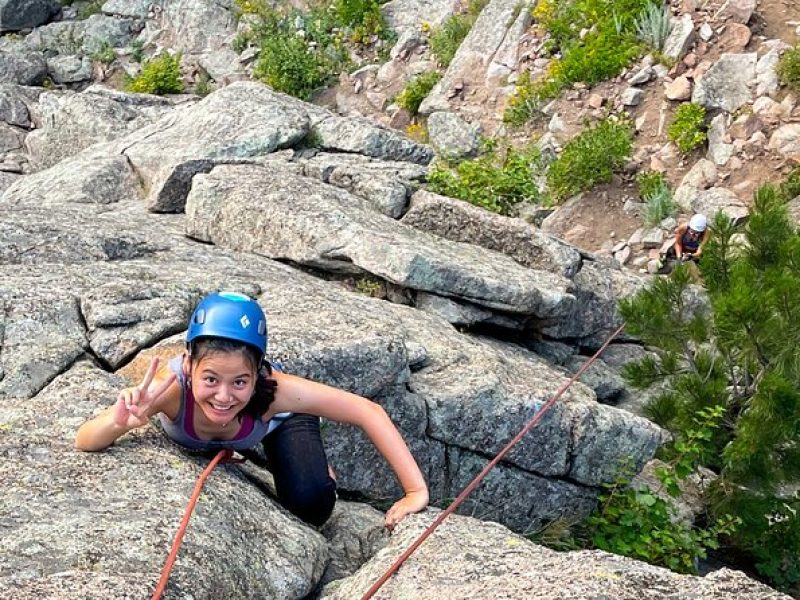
(595, 39)
(790, 188)
(416, 90)
(137, 51)
(93, 7)
(104, 53)
(653, 25)
(202, 86)
(496, 181)
(160, 75)
(655, 193)
(445, 40)
(300, 53)
(788, 68)
(588, 159)
(638, 523)
(688, 128)
(368, 286)
(417, 132)
(362, 17)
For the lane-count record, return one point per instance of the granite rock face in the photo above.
(485, 560)
(93, 280)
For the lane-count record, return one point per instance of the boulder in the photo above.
(16, 15)
(23, 68)
(726, 84)
(467, 558)
(326, 227)
(451, 137)
(680, 37)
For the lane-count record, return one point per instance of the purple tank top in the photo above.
(181, 430)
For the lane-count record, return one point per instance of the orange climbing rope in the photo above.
(479, 477)
(224, 456)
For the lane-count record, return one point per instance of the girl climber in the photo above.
(221, 393)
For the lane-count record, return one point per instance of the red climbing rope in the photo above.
(224, 456)
(478, 478)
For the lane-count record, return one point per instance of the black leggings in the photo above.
(300, 468)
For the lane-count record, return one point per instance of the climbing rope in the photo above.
(223, 456)
(479, 477)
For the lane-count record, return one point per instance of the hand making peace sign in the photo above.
(133, 404)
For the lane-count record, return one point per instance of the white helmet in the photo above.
(698, 222)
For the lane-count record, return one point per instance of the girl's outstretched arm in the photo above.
(133, 408)
(295, 394)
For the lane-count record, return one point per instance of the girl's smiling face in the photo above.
(222, 385)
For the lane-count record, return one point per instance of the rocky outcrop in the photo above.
(104, 278)
(486, 560)
(16, 15)
(483, 43)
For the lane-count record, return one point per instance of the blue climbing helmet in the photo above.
(232, 316)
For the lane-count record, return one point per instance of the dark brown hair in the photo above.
(264, 393)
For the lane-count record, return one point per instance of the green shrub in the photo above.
(608, 47)
(288, 64)
(160, 75)
(90, 8)
(653, 25)
(137, 51)
(496, 181)
(529, 96)
(655, 193)
(416, 90)
(790, 188)
(789, 68)
(446, 39)
(588, 159)
(300, 53)
(202, 86)
(104, 53)
(635, 522)
(362, 17)
(688, 128)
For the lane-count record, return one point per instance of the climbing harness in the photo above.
(226, 456)
(479, 477)
(223, 456)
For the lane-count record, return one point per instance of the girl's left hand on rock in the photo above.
(410, 503)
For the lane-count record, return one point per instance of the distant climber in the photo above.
(690, 238)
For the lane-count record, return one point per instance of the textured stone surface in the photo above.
(485, 560)
(24, 14)
(95, 523)
(726, 84)
(325, 227)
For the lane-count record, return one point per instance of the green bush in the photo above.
(688, 128)
(789, 68)
(288, 64)
(301, 53)
(160, 75)
(92, 7)
(653, 25)
(446, 39)
(655, 193)
(588, 159)
(609, 46)
(104, 53)
(496, 181)
(790, 188)
(416, 90)
(638, 523)
(137, 51)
